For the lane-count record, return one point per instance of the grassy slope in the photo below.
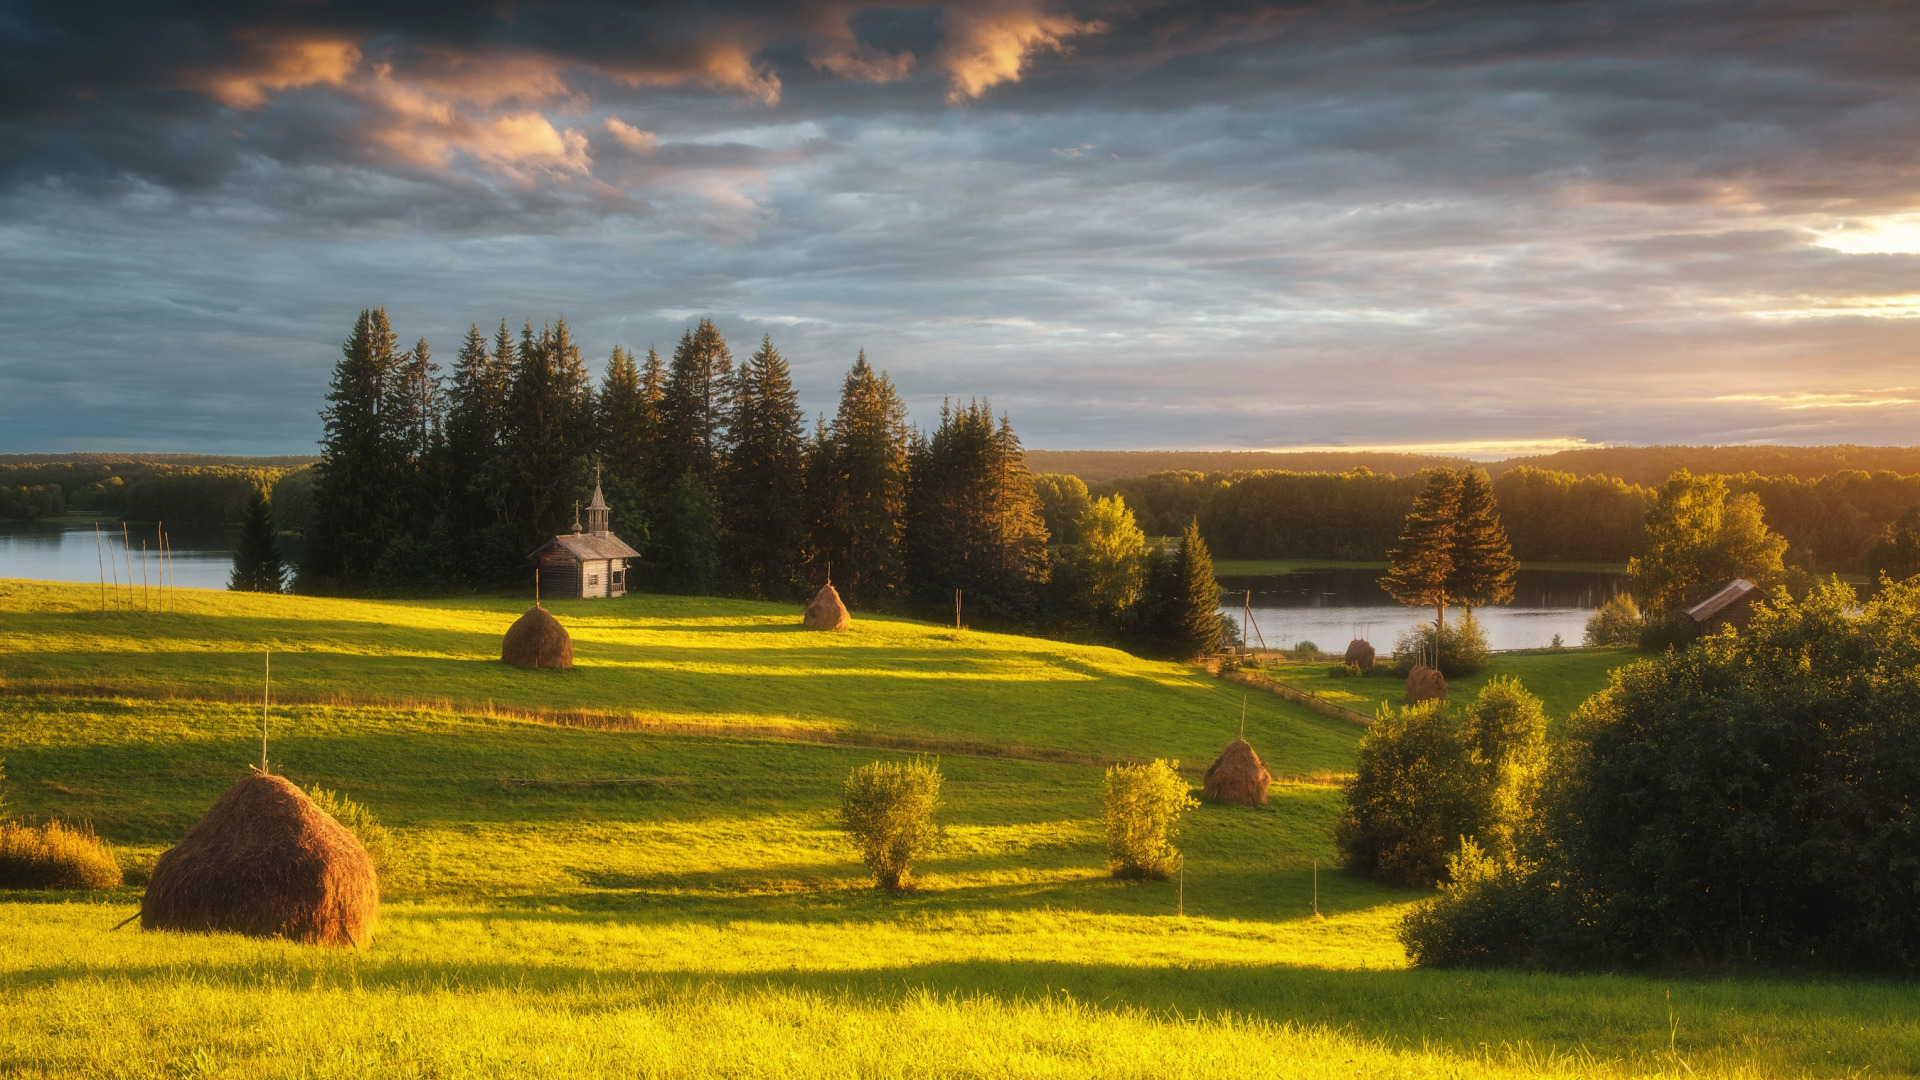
(713, 923)
(1563, 678)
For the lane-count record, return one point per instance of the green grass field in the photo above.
(709, 921)
(1563, 678)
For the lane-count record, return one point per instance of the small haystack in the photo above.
(1425, 684)
(826, 612)
(1359, 654)
(266, 862)
(1237, 776)
(537, 640)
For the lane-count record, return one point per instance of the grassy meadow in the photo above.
(1562, 678)
(633, 868)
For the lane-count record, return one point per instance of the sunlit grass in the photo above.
(1562, 678)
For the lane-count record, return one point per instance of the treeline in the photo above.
(131, 488)
(430, 482)
(1831, 523)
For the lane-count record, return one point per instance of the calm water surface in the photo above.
(69, 551)
(1332, 607)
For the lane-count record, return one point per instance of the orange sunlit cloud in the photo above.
(284, 64)
(991, 48)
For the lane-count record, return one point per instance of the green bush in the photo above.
(55, 856)
(1305, 650)
(1461, 647)
(887, 809)
(1416, 791)
(1616, 622)
(365, 828)
(1744, 800)
(1506, 730)
(1345, 671)
(1142, 815)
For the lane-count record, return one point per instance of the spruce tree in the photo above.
(857, 490)
(1193, 610)
(973, 518)
(358, 482)
(257, 566)
(629, 430)
(693, 404)
(1420, 567)
(549, 436)
(476, 422)
(1483, 562)
(417, 404)
(762, 497)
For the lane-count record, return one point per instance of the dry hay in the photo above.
(537, 640)
(1425, 684)
(266, 862)
(826, 612)
(1237, 776)
(1359, 654)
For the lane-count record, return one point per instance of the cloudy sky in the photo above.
(1129, 224)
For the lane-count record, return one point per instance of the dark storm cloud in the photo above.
(1127, 223)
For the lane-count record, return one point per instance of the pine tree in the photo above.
(417, 404)
(257, 566)
(857, 490)
(973, 519)
(693, 405)
(763, 486)
(358, 483)
(1483, 562)
(688, 538)
(1420, 567)
(1194, 608)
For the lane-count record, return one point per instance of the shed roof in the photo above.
(588, 546)
(1720, 601)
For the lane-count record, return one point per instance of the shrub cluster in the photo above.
(1142, 815)
(55, 856)
(1745, 799)
(887, 809)
(1460, 647)
(1617, 622)
(364, 826)
(1429, 777)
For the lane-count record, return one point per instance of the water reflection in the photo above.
(71, 551)
(1330, 607)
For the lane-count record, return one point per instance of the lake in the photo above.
(68, 551)
(1332, 607)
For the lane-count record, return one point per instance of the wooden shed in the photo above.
(1731, 606)
(587, 562)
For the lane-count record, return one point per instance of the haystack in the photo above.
(537, 640)
(1237, 776)
(266, 862)
(1425, 684)
(826, 612)
(1359, 654)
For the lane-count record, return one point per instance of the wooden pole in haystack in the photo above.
(266, 694)
(1243, 716)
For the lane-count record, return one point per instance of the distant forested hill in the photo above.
(1651, 465)
(1094, 466)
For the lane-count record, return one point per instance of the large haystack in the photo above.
(537, 640)
(1425, 684)
(266, 862)
(1237, 776)
(1359, 654)
(826, 612)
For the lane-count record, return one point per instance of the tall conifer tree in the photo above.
(857, 491)
(629, 430)
(973, 518)
(693, 405)
(549, 435)
(359, 480)
(1420, 567)
(1195, 605)
(257, 565)
(476, 417)
(1483, 562)
(763, 492)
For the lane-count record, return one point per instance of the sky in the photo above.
(1499, 227)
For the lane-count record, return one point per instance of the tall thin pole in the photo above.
(160, 554)
(956, 609)
(536, 586)
(146, 598)
(102, 560)
(266, 693)
(1183, 890)
(126, 551)
(1243, 716)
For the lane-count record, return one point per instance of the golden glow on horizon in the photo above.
(1480, 448)
(1893, 234)
(1841, 399)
